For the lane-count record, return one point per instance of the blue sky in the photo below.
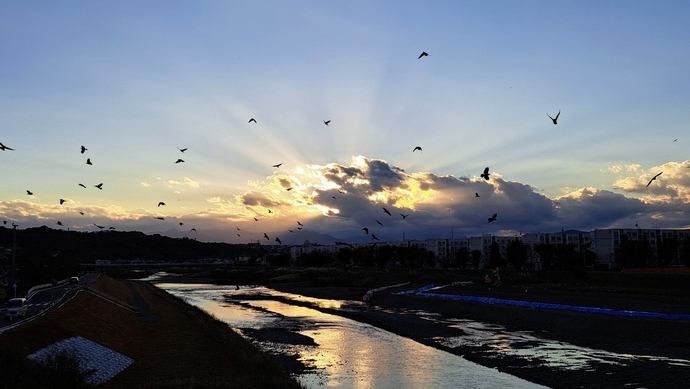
(135, 81)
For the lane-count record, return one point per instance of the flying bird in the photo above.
(30, 193)
(386, 211)
(278, 165)
(100, 227)
(374, 237)
(326, 122)
(417, 148)
(252, 120)
(404, 216)
(289, 189)
(82, 185)
(88, 161)
(653, 178)
(159, 218)
(59, 223)
(182, 150)
(239, 235)
(160, 203)
(99, 186)
(556, 118)
(181, 223)
(476, 194)
(485, 175)
(82, 213)
(291, 231)
(179, 160)
(62, 201)
(379, 223)
(299, 223)
(3, 147)
(266, 236)
(366, 230)
(255, 219)
(238, 229)
(424, 54)
(493, 217)
(278, 240)
(83, 149)
(192, 230)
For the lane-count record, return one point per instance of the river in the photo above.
(337, 352)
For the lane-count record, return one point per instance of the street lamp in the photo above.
(14, 250)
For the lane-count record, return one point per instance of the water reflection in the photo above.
(344, 353)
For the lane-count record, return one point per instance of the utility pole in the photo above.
(14, 250)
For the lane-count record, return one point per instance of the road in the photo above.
(44, 298)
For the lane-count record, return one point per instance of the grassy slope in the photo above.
(183, 347)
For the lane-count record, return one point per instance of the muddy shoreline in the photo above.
(619, 334)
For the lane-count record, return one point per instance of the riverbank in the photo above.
(642, 336)
(173, 344)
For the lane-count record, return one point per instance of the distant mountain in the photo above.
(229, 236)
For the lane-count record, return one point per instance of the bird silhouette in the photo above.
(99, 186)
(238, 229)
(278, 240)
(289, 189)
(554, 120)
(326, 122)
(278, 165)
(269, 211)
(424, 54)
(179, 160)
(653, 178)
(493, 217)
(62, 201)
(266, 236)
(181, 223)
(416, 148)
(59, 223)
(83, 149)
(476, 194)
(82, 185)
(291, 231)
(3, 147)
(182, 150)
(239, 235)
(379, 223)
(386, 211)
(404, 216)
(366, 230)
(160, 203)
(485, 175)
(192, 230)
(82, 213)
(100, 227)
(374, 237)
(111, 228)
(159, 218)
(30, 193)
(255, 219)
(252, 120)
(88, 161)
(300, 224)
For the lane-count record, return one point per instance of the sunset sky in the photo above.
(134, 82)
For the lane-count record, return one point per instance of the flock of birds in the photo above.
(485, 175)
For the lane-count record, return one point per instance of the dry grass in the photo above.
(175, 345)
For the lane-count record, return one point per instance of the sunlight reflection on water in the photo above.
(349, 354)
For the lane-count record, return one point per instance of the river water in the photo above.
(342, 353)
(339, 352)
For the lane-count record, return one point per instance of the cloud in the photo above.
(340, 199)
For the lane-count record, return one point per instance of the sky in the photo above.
(137, 82)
